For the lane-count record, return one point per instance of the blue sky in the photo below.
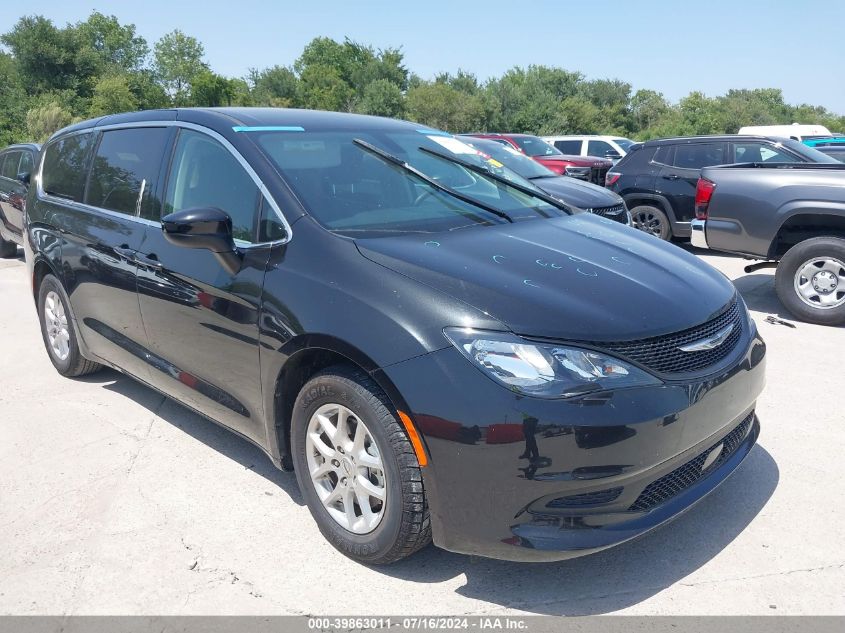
(670, 46)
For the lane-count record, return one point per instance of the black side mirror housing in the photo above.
(208, 228)
(24, 177)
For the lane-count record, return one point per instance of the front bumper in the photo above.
(537, 480)
(698, 237)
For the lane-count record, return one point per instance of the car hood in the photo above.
(577, 192)
(578, 277)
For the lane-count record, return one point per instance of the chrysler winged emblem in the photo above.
(710, 342)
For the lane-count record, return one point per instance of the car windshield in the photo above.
(812, 155)
(508, 157)
(354, 191)
(624, 143)
(535, 146)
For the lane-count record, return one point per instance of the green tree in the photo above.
(209, 89)
(383, 98)
(13, 102)
(322, 88)
(112, 94)
(42, 121)
(275, 86)
(178, 60)
(441, 106)
(116, 46)
(46, 55)
(647, 108)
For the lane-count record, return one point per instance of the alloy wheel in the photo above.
(55, 323)
(647, 222)
(345, 468)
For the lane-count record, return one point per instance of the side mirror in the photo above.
(24, 177)
(209, 228)
(613, 155)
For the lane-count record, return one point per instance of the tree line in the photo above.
(51, 76)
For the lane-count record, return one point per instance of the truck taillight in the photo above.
(703, 192)
(611, 178)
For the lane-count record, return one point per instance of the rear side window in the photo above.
(10, 165)
(664, 155)
(572, 147)
(600, 148)
(698, 155)
(203, 173)
(124, 169)
(64, 166)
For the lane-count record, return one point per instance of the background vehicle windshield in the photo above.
(810, 153)
(624, 143)
(535, 146)
(510, 158)
(354, 192)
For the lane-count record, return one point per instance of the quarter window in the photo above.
(761, 153)
(64, 166)
(205, 174)
(698, 155)
(10, 165)
(26, 163)
(124, 169)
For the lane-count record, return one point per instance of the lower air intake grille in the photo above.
(585, 499)
(683, 477)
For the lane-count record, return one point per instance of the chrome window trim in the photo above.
(262, 188)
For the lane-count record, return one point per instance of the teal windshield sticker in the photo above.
(268, 128)
(434, 133)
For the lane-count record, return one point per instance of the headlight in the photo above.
(544, 371)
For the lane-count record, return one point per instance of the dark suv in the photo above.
(16, 165)
(657, 178)
(436, 350)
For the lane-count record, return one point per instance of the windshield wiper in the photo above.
(485, 172)
(429, 180)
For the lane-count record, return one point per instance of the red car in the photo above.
(587, 168)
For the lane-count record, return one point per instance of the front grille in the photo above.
(663, 354)
(616, 212)
(597, 175)
(663, 489)
(586, 499)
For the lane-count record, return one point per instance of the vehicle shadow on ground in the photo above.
(220, 439)
(616, 578)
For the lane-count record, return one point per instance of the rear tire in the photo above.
(651, 220)
(810, 280)
(58, 332)
(8, 249)
(390, 529)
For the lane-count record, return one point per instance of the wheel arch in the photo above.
(304, 357)
(651, 199)
(805, 224)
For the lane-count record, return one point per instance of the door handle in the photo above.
(672, 177)
(150, 261)
(124, 251)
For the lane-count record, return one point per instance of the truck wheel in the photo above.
(810, 280)
(8, 249)
(58, 332)
(356, 468)
(651, 220)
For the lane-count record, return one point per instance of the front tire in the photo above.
(58, 332)
(651, 220)
(356, 468)
(810, 280)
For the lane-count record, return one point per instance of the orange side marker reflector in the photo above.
(416, 442)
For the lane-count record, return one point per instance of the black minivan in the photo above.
(437, 350)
